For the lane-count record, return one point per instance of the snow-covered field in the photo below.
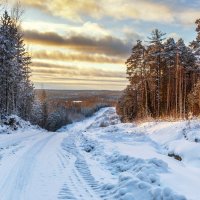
(101, 158)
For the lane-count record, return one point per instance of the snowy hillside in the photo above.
(101, 158)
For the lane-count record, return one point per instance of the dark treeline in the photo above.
(163, 79)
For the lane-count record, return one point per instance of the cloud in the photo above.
(83, 57)
(74, 77)
(49, 38)
(120, 9)
(107, 45)
(80, 85)
(87, 29)
(188, 17)
(145, 10)
(70, 9)
(74, 71)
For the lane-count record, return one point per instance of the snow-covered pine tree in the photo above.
(16, 88)
(25, 94)
(8, 71)
(195, 44)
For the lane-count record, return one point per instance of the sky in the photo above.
(83, 44)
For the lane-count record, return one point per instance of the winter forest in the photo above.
(163, 79)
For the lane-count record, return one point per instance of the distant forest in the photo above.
(164, 79)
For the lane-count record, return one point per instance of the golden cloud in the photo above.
(74, 71)
(83, 57)
(120, 9)
(146, 10)
(73, 77)
(72, 9)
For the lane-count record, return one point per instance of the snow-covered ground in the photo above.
(101, 158)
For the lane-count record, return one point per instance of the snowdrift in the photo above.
(13, 123)
(149, 161)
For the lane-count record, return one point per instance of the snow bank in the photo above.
(105, 120)
(10, 124)
(139, 179)
(139, 158)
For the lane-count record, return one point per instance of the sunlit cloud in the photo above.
(145, 10)
(63, 56)
(87, 29)
(74, 71)
(105, 45)
(44, 73)
(121, 9)
(66, 8)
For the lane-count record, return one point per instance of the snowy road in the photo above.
(99, 159)
(41, 165)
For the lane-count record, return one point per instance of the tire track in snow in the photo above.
(14, 185)
(10, 147)
(79, 184)
(18, 139)
(65, 193)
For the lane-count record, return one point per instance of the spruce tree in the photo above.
(16, 88)
(155, 58)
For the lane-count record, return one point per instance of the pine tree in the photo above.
(186, 70)
(170, 61)
(138, 76)
(8, 71)
(16, 88)
(195, 44)
(155, 58)
(135, 63)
